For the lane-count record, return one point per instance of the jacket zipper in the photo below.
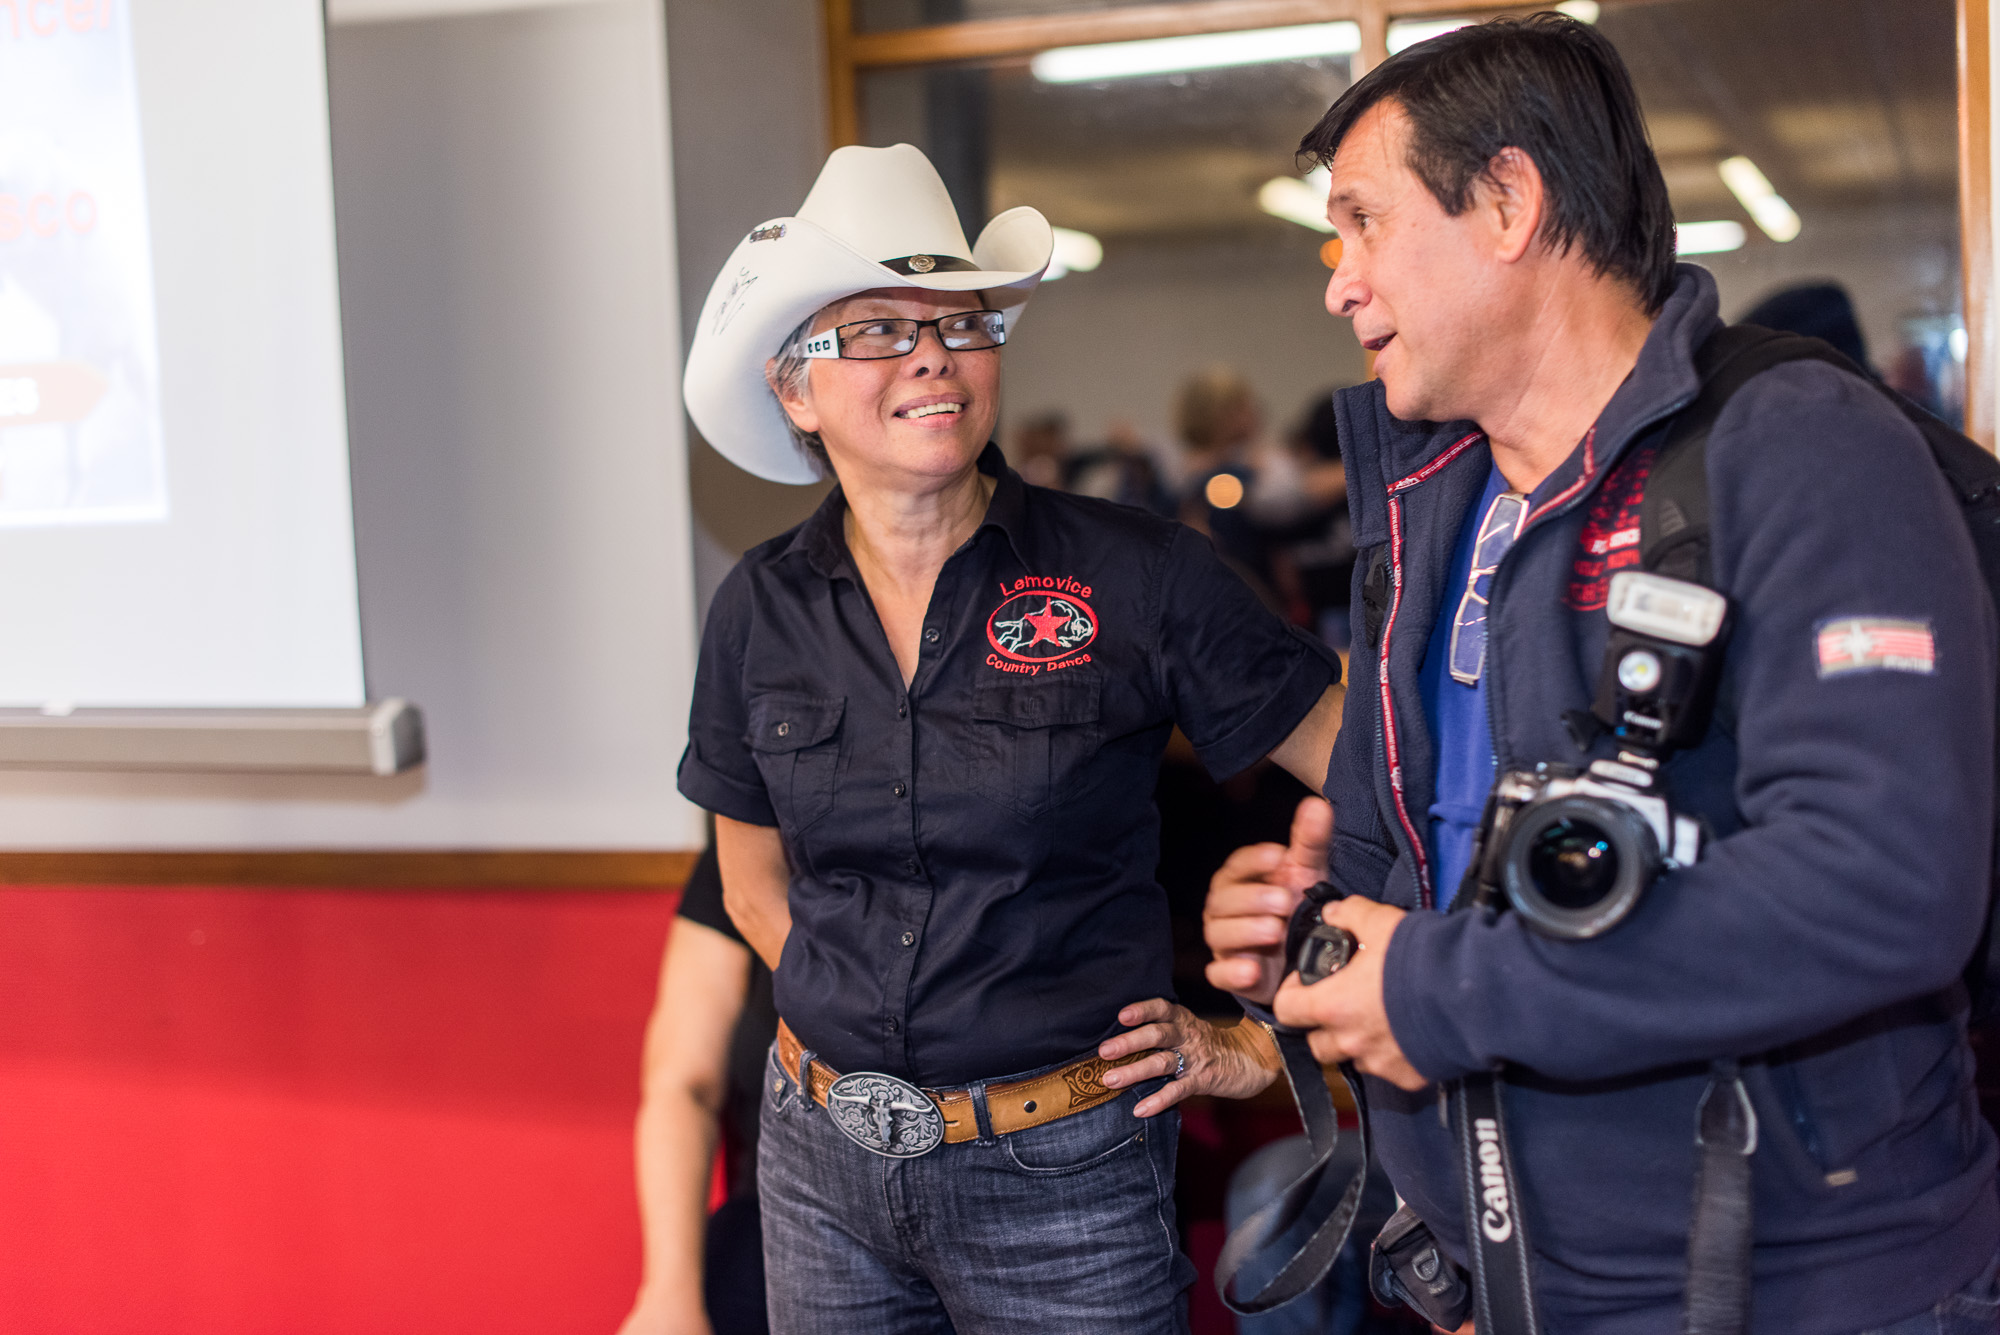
(1386, 717)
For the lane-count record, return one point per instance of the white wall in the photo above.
(748, 79)
(507, 278)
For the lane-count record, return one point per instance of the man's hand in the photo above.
(1234, 1060)
(1345, 1013)
(1251, 900)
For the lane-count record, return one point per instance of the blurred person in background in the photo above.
(1041, 451)
(1122, 469)
(927, 721)
(1323, 555)
(703, 1073)
(1254, 498)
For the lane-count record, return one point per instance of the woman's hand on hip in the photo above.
(1233, 1061)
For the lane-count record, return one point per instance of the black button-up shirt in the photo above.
(972, 858)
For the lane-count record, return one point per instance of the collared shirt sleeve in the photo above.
(1237, 679)
(718, 771)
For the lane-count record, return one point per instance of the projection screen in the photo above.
(175, 521)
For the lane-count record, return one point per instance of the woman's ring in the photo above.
(1180, 1063)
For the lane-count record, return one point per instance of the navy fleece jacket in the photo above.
(1821, 934)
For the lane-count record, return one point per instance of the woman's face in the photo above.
(922, 416)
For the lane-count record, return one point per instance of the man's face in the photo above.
(1423, 288)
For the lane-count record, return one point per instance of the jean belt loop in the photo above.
(980, 1115)
(803, 1076)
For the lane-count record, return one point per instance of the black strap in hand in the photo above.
(1317, 1193)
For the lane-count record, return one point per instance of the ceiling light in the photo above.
(1403, 36)
(1708, 238)
(1297, 201)
(1201, 51)
(1753, 190)
(1075, 252)
(1583, 11)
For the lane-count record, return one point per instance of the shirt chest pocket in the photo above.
(795, 739)
(1032, 739)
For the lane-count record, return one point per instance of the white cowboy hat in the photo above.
(877, 217)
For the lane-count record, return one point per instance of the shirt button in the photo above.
(892, 1024)
(931, 635)
(909, 938)
(900, 788)
(910, 866)
(902, 711)
(784, 730)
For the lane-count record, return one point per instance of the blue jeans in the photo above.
(1067, 1226)
(1973, 1310)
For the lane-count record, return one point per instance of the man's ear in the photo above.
(798, 407)
(1511, 191)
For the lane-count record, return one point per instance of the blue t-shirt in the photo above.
(1458, 722)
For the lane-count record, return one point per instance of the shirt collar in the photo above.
(822, 539)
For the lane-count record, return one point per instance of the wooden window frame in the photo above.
(849, 53)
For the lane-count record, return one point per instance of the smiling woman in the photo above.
(927, 721)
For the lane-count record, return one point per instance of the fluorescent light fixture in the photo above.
(1583, 11)
(1297, 201)
(1201, 51)
(1708, 238)
(1075, 252)
(1753, 190)
(1403, 36)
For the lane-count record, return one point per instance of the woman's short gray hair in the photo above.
(788, 377)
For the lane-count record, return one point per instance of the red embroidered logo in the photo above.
(1040, 623)
(1610, 541)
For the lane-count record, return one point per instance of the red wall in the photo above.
(229, 1110)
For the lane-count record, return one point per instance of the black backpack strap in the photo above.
(1674, 514)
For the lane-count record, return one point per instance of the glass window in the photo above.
(1805, 145)
(1165, 174)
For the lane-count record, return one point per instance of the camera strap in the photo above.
(1503, 1301)
(1719, 1238)
(1317, 1193)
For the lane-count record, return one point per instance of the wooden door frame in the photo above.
(1975, 214)
(849, 53)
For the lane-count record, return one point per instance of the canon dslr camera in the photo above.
(1572, 851)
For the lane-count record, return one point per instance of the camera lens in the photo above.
(1574, 866)
(1573, 863)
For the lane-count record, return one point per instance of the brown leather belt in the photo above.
(1011, 1105)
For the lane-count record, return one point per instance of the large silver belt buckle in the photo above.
(884, 1115)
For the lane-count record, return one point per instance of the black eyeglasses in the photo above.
(876, 340)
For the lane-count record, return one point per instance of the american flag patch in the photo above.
(1863, 644)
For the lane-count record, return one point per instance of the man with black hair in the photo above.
(1509, 258)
